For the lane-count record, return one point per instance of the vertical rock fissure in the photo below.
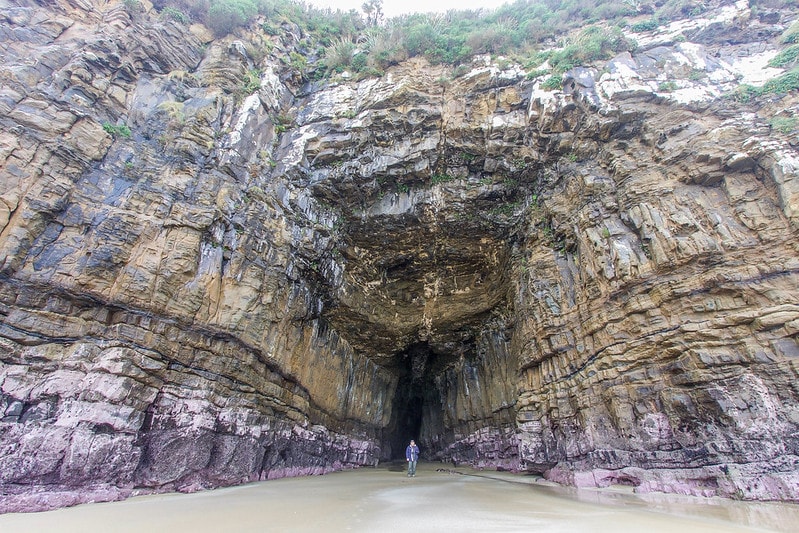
(406, 412)
(416, 411)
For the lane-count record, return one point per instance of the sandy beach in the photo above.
(437, 499)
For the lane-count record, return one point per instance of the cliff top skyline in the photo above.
(393, 8)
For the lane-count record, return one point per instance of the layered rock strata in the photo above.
(203, 286)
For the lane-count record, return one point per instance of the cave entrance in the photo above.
(416, 412)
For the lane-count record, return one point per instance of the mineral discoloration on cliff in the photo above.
(598, 284)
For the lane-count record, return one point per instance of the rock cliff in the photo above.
(205, 282)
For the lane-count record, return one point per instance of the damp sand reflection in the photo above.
(384, 499)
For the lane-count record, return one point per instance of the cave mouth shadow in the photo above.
(416, 410)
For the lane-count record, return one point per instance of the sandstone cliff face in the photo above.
(597, 284)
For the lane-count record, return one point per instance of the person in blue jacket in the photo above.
(412, 455)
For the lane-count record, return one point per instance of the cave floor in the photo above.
(437, 499)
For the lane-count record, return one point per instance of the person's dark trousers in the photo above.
(411, 468)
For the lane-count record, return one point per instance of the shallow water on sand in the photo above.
(384, 499)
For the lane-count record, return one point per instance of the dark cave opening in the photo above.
(416, 409)
(407, 419)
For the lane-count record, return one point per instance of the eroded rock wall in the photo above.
(659, 344)
(158, 332)
(597, 283)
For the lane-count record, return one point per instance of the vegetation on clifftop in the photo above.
(328, 42)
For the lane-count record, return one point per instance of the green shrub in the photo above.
(647, 25)
(418, 38)
(192, 10)
(370, 72)
(553, 83)
(121, 130)
(592, 44)
(271, 27)
(435, 179)
(786, 57)
(536, 74)
(537, 59)
(784, 83)
(791, 35)
(745, 93)
(358, 62)
(175, 14)
(667, 86)
(679, 9)
(460, 70)
(251, 81)
(697, 74)
(437, 39)
(382, 47)
(338, 56)
(298, 62)
(495, 39)
(784, 124)
(224, 16)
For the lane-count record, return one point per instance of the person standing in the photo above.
(412, 455)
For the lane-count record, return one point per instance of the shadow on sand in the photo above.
(396, 466)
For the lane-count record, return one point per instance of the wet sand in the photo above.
(384, 499)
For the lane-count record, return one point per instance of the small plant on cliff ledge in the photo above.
(524, 267)
(121, 130)
(783, 84)
(281, 123)
(460, 71)
(175, 14)
(791, 35)
(174, 110)
(252, 81)
(506, 209)
(786, 57)
(784, 124)
(299, 63)
(435, 179)
(553, 83)
(348, 114)
(697, 74)
(646, 25)
(533, 74)
(779, 85)
(667, 87)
